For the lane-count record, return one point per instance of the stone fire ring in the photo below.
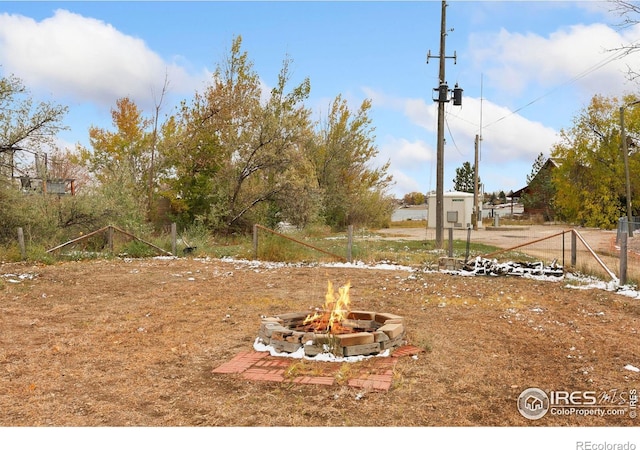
(373, 333)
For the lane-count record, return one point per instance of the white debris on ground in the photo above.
(352, 265)
(327, 356)
(18, 278)
(479, 266)
(537, 271)
(484, 266)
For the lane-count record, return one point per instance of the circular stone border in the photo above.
(285, 333)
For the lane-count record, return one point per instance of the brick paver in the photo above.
(315, 380)
(380, 385)
(241, 362)
(261, 366)
(406, 350)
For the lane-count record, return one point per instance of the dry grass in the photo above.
(133, 343)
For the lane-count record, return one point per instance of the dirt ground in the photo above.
(134, 343)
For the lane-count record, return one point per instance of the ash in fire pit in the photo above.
(333, 329)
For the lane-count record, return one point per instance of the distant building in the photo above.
(22, 176)
(537, 196)
(458, 208)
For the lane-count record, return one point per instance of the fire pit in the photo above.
(334, 329)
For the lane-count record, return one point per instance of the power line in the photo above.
(452, 139)
(616, 56)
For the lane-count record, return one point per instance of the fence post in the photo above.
(450, 242)
(23, 250)
(623, 259)
(574, 250)
(110, 238)
(619, 230)
(255, 241)
(174, 239)
(563, 249)
(466, 255)
(349, 242)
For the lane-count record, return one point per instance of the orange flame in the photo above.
(334, 311)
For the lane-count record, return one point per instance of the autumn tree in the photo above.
(237, 153)
(120, 159)
(540, 192)
(590, 181)
(353, 190)
(414, 198)
(465, 178)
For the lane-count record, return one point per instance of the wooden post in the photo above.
(174, 244)
(110, 238)
(349, 242)
(597, 258)
(255, 241)
(563, 250)
(623, 259)
(574, 250)
(450, 242)
(23, 250)
(466, 255)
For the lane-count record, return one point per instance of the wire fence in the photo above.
(607, 255)
(585, 251)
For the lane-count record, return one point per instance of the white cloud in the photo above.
(510, 143)
(509, 136)
(404, 184)
(405, 154)
(85, 59)
(506, 134)
(583, 56)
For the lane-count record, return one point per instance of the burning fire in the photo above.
(334, 311)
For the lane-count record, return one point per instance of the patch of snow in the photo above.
(18, 278)
(631, 368)
(260, 346)
(535, 271)
(254, 264)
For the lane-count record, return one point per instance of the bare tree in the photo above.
(630, 16)
(23, 125)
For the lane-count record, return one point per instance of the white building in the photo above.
(457, 209)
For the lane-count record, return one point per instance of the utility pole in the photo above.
(476, 209)
(442, 98)
(625, 156)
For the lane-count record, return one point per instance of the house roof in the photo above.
(550, 162)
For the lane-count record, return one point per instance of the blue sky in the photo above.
(527, 68)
